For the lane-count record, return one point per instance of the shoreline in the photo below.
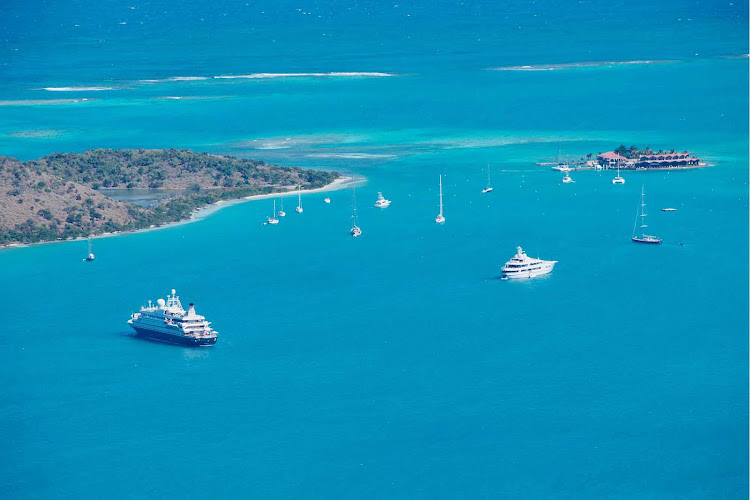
(204, 212)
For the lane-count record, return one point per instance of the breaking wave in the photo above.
(76, 89)
(590, 64)
(43, 102)
(261, 76)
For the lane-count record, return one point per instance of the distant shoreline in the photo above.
(202, 213)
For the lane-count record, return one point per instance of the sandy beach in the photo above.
(200, 214)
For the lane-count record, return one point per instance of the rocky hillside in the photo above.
(63, 196)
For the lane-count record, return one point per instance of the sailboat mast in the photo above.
(441, 195)
(489, 180)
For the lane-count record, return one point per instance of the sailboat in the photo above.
(299, 205)
(643, 238)
(272, 219)
(440, 219)
(356, 231)
(489, 185)
(561, 165)
(327, 200)
(618, 179)
(281, 212)
(90, 255)
(568, 179)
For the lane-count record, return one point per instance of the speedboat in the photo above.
(568, 179)
(523, 266)
(382, 202)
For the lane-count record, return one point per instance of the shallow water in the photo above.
(395, 364)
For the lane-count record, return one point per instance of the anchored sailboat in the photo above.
(299, 205)
(272, 219)
(643, 238)
(281, 212)
(90, 255)
(440, 219)
(356, 231)
(618, 179)
(489, 184)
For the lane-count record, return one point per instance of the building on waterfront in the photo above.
(610, 159)
(667, 160)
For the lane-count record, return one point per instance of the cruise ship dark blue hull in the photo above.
(174, 339)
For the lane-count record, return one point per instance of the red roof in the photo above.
(611, 155)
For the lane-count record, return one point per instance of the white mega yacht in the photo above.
(523, 266)
(167, 321)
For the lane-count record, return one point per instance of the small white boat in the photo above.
(326, 200)
(440, 219)
(382, 202)
(523, 266)
(299, 204)
(568, 179)
(618, 179)
(281, 212)
(272, 219)
(668, 209)
(489, 184)
(90, 255)
(355, 230)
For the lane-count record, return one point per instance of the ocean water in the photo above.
(394, 365)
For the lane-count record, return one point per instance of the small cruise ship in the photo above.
(382, 202)
(168, 322)
(523, 266)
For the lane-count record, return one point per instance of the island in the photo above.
(65, 196)
(632, 158)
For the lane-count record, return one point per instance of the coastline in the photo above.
(205, 212)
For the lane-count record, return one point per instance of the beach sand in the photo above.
(200, 214)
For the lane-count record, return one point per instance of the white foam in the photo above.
(42, 102)
(352, 156)
(76, 89)
(588, 64)
(261, 76)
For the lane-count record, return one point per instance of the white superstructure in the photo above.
(523, 266)
(382, 202)
(168, 321)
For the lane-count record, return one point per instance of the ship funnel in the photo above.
(191, 309)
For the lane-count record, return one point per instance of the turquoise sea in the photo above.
(394, 365)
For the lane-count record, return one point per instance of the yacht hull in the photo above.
(174, 339)
(545, 268)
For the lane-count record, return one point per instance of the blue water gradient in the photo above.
(394, 365)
